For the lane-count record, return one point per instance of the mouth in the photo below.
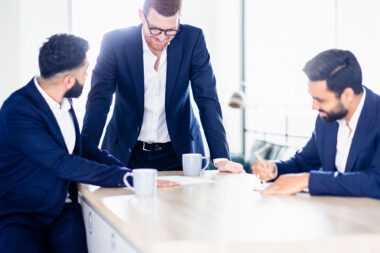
(157, 41)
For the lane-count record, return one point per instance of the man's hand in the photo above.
(166, 184)
(289, 184)
(228, 166)
(264, 170)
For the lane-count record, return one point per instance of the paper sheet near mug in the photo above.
(144, 181)
(192, 164)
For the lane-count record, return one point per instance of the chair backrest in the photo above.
(270, 151)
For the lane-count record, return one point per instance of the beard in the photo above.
(75, 91)
(153, 45)
(338, 113)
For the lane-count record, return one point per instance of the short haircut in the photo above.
(165, 8)
(61, 52)
(339, 68)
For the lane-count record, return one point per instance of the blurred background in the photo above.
(258, 49)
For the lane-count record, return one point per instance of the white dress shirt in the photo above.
(344, 137)
(64, 119)
(63, 116)
(154, 127)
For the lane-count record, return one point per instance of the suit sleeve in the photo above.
(203, 85)
(305, 160)
(365, 183)
(92, 152)
(27, 134)
(103, 85)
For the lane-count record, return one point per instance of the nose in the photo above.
(315, 105)
(161, 37)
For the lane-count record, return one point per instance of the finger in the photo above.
(257, 169)
(168, 185)
(234, 170)
(270, 190)
(267, 176)
(238, 168)
(165, 184)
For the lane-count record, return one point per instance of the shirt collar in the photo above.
(53, 105)
(355, 117)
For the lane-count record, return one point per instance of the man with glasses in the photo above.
(149, 68)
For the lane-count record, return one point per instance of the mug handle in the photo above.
(205, 157)
(126, 181)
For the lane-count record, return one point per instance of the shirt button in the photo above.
(129, 150)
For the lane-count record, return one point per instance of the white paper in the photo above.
(186, 180)
(257, 186)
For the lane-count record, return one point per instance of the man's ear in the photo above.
(141, 14)
(69, 81)
(348, 95)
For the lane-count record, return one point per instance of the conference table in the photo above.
(223, 212)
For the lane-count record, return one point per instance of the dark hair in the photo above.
(339, 68)
(62, 52)
(165, 8)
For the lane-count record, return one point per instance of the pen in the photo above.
(262, 162)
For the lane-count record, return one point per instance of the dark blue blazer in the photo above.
(362, 175)
(120, 69)
(36, 169)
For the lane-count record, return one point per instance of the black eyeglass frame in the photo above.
(155, 31)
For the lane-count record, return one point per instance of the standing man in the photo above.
(343, 155)
(43, 155)
(149, 68)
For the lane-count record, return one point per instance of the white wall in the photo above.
(25, 25)
(220, 21)
(9, 47)
(358, 24)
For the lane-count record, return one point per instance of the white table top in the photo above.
(225, 214)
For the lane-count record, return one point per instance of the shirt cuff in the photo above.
(276, 171)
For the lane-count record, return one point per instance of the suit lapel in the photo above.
(78, 141)
(174, 57)
(366, 120)
(330, 146)
(41, 104)
(134, 54)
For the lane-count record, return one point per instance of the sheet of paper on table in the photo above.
(186, 180)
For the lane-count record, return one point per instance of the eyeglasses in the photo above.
(157, 31)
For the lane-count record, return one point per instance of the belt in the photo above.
(152, 147)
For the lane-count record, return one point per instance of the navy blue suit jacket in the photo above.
(120, 69)
(36, 169)
(362, 175)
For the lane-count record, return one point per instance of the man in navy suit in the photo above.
(42, 155)
(343, 155)
(149, 68)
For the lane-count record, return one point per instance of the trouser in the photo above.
(65, 234)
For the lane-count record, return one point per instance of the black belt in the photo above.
(155, 147)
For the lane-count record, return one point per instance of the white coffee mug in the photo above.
(144, 181)
(192, 164)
